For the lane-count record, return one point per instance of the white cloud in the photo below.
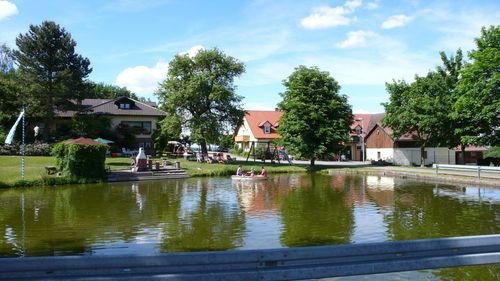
(372, 5)
(7, 9)
(141, 79)
(396, 21)
(325, 16)
(353, 4)
(193, 51)
(356, 39)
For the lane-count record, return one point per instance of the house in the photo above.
(141, 116)
(258, 127)
(380, 145)
(361, 125)
(473, 154)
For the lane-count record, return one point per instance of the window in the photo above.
(267, 128)
(138, 127)
(378, 155)
(124, 105)
(358, 130)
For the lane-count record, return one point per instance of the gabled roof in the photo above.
(111, 107)
(366, 121)
(256, 118)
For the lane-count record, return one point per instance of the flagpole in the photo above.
(22, 149)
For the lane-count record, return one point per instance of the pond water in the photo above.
(199, 214)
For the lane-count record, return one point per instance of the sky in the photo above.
(362, 44)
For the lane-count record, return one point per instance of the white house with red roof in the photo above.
(259, 126)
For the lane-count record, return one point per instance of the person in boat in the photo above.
(239, 172)
(251, 173)
(263, 173)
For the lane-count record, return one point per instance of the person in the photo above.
(239, 172)
(251, 173)
(263, 173)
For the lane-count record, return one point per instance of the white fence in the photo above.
(477, 169)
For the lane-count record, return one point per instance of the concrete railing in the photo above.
(477, 169)
(270, 264)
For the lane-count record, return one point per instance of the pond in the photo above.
(200, 214)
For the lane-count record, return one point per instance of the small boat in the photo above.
(248, 178)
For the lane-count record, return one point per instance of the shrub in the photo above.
(86, 162)
(36, 149)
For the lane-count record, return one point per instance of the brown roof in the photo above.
(108, 106)
(256, 118)
(368, 121)
(82, 140)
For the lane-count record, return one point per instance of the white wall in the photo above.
(386, 154)
(409, 156)
(438, 155)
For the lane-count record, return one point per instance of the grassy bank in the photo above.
(35, 174)
(34, 170)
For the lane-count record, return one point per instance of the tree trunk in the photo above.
(203, 145)
(422, 158)
(312, 161)
(462, 151)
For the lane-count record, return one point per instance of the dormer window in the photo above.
(124, 105)
(267, 128)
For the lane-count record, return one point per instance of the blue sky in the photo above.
(363, 44)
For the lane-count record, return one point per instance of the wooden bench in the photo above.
(51, 170)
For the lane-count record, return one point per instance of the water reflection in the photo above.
(217, 214)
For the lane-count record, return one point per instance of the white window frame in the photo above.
(267, 128)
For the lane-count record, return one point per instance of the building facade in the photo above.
(139, 116)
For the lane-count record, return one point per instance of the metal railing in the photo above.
(477, 169)
(270, 264)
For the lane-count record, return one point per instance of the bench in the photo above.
(51, 170)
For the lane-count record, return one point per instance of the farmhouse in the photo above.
(141, 117)
(258, 127)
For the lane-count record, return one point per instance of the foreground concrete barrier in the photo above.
(273, 264)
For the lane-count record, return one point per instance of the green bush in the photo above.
(85, 162)
(35, 149)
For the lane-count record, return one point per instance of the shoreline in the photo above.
(428, 177)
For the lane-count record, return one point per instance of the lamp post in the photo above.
(362, 139)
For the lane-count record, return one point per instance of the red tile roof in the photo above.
(82, 140)
(256, 117)
(368, 121)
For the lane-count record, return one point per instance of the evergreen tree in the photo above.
(52, 71)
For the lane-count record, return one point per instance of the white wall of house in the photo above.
(244, 130)
(409, 156)
(386, 154)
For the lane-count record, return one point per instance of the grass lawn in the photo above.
(10, 167)
(34, 168)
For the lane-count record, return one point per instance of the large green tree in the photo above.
(421, 109)
(106, 91)
(316, 118)
(200, 91)
(478, 102)
(52, 71)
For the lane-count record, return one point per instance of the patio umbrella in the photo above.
(104, 141)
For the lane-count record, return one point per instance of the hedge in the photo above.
(80, 161)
